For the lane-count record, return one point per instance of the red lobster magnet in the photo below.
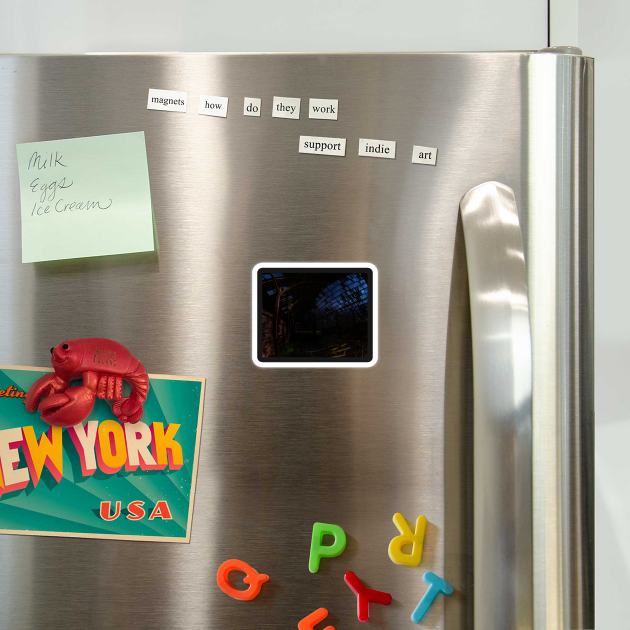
(103, 364)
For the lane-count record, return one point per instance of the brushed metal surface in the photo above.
(560, 274)
(502, 369)
(280, 448)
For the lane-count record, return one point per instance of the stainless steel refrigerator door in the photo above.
(282, 449)
(502, 375)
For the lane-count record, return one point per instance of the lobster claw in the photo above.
(43, 386)
(68, 408)
(128, 410)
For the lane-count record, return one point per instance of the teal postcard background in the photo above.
(72, 505)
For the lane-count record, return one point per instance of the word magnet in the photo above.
(167, 100)
(251, 106)
(285, 107)
(322, 146)
(319, 550)
(424, 155)
(323, 108)
(365, 595)
(213, 105)
(407, 537)
(252, 577)
(377, 148)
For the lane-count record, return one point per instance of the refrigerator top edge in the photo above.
(466, 53)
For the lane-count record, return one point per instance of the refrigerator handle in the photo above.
(502, 374)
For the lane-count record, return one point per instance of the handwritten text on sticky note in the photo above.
(85, 197)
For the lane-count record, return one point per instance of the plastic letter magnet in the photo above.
(407, 537)
(308, 623)
(436, 586)
(252, 577)
(319, 551)
(365, 596)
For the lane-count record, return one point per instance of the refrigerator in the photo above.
(439, 213)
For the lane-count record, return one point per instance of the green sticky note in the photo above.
(85, 197)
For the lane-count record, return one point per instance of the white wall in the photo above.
(604, 29)
(270, 25)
